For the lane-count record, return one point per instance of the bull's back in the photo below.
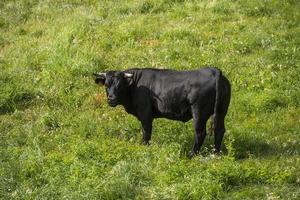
(173, 92)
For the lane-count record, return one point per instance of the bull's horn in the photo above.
(99, 74)
(128, 75)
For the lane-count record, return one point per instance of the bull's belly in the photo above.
(175, 112)
(183, 118)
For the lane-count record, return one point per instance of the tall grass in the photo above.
(60, 140)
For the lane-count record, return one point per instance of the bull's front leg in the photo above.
(147, 130)
(144, 115)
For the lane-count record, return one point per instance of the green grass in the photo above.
(60, 140)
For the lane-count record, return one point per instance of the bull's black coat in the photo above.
(176, 95)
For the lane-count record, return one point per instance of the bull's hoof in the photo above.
(216, 152)
(192, 154)
(146, 143)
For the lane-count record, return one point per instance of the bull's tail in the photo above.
(214, 116)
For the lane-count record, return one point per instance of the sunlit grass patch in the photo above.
(60, 139)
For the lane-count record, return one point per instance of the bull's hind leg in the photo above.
(219, 132)
(200, 130)
(225, 94)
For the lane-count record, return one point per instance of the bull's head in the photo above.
(116, 85)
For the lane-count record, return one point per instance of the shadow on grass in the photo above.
(18, 100)
(246, 147)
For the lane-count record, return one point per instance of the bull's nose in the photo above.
(110, 97)
(112, 101)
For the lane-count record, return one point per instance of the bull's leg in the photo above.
(199, 139)
(147, 130)
(222, 108)
(200, 132)
(219, 132)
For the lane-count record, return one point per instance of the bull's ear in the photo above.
(100, 78)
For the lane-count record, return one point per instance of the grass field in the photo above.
(60, 140)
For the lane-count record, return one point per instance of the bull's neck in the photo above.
(127, 101)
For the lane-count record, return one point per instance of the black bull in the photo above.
(178, 95)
